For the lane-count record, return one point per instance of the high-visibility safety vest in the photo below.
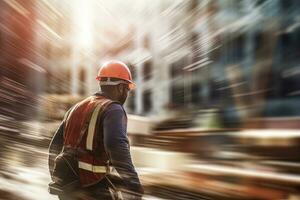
(84, 123)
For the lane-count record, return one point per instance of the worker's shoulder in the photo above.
(115, 107)
(84, 101)
(114, 111)
(110, 105)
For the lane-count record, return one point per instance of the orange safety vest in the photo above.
(85, 118)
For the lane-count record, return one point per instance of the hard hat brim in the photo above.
(131, 84)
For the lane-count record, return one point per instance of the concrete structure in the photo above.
(221, 54)
(185, 54)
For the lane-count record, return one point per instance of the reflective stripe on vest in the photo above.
(92, 168)
(92, 126)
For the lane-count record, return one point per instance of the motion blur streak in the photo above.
(215, 114)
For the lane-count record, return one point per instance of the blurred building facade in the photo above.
(20, 69)
(241, 57)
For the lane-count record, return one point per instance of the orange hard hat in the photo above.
(115, 69)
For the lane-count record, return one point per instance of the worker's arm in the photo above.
(57, 143)
(117, 146)
(55, 146)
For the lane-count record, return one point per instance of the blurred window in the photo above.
(286, 45)
(286, 5)
(258, 44)
(131, 102)
(215, 92)
(176, 68)
(283, 99)
(258, 41)
(239, 48)
(177, 95)
(147, 70)
(132, 70)
(196, 93)
(177, 85)
(147, 101)
(290, 46)
(235, 49)
(290, 58)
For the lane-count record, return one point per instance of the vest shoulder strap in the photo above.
(96, 114)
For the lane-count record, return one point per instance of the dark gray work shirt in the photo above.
(115, 142)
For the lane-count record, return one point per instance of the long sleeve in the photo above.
(117, 146)
(57, 143)
(55, 146)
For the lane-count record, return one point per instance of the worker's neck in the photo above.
(109, 96)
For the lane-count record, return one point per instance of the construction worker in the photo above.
(96, 129)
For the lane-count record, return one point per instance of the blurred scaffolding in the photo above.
(215, 114)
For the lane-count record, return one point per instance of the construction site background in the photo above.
(215, 114)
